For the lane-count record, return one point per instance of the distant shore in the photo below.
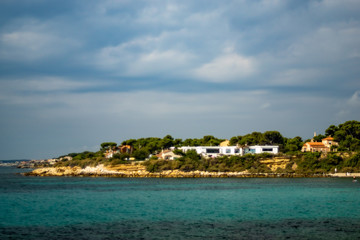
(138, 171)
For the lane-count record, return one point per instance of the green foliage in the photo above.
(207, 140)
(140, 154)
(157, 165)
(347, 134)
(235, 140)
(330, 162)
(151, 145)
(115, 161)
(255, 138)
(179, 152)
(316, 163)
(331, 130)
(258, 138)
(353, 162)
(78, 163)
(107, 145)
(319, 137)
(292, 145)
(273, 137)
(84, 155)
(192, 154)
(192, 162)
(309, 162)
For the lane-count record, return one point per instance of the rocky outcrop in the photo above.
(275, 163)
(139, 171)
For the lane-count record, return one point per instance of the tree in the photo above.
(130, 142)
(319, 138)
(140, 154)
(188, 142)
(347, 134)
(259, 137)
(293, 144)
(167, 142)
(350, 143)
(192, 154)
(108, 145)
(351, 128)
(249, 139)
(235, 140)
(177, 142)
(330, 131)
(207, 139)
(273, 137)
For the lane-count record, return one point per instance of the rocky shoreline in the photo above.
(138, 171)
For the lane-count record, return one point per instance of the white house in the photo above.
(214, 151)
(261, 149)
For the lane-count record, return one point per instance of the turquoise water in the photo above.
(139, 208)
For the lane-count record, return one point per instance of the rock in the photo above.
(139, 171)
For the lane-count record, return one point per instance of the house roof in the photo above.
(225, 143)
(328, 138)
(315, 144)
(163, 152)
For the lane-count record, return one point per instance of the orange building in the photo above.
(109, 153)
(323, 146)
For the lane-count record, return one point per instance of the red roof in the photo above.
(328, 138)
(315, 144)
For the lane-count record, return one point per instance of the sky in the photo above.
(76, 73)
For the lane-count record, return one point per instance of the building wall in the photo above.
(231, 150)
(262, 149)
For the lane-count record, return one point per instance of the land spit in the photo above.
(139, 171)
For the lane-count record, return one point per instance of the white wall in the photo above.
(230, 150)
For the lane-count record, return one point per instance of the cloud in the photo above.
(87, 71)
(328, 45)
(29, 91)
(90, 118)
(349, 109)
(298, 77)
(347, 5)
(163, 14)
(31, 40)
(355, 99)
(143, 57)
(226, 68)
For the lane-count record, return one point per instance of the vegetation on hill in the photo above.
(346, 159)
(191, 161)
(347, 134)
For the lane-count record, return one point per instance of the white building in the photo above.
(216, 151)
(261, 149)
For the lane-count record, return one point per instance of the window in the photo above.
(267, 149)
(212, 150)
(249, 151)
(228, 150)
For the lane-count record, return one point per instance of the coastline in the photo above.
(138, 171)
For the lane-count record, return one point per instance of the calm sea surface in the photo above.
(139, 208)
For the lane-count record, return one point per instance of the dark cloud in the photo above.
(75, 73)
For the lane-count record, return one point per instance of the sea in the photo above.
(181, 208)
